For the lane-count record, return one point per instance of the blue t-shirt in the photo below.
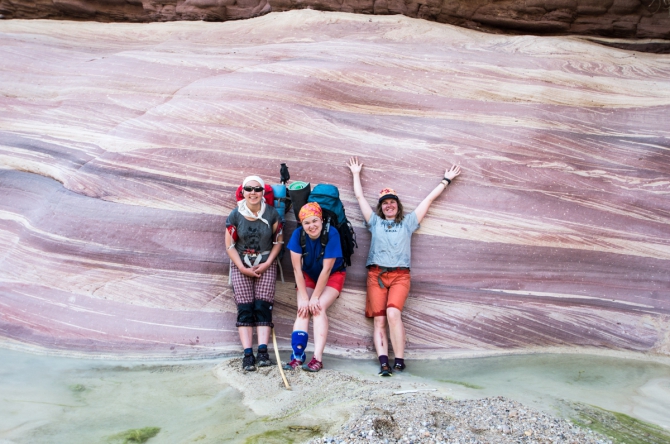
(310, 265)
(391, 242)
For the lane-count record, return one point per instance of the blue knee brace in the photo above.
(299, 343)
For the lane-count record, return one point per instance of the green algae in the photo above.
(287, 435)
(136, 435)
(464, 384)
(77, 388)
(620, 427)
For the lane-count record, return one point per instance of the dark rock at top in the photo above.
(612, 18)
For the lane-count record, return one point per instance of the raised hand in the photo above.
(354, 166)
(452, 172)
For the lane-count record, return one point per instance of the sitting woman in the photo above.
(319, 277)
(253, 242)
(388, 262)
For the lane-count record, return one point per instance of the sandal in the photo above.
(385, 370)
(399, 367)
(313, 366)
(295, 363)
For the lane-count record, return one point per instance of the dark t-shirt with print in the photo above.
(254, 237)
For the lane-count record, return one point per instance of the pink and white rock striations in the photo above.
(121, 146)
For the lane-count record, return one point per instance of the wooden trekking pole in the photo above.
(281, 370)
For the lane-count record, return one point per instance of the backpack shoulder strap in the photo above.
(303, 243)
(324, 238)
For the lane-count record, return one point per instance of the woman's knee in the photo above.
(394, 315)
(263, 313)
(321, 317)
(245, 315)
(380, 322)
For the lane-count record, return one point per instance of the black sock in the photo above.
(262, 348)
(383, 359)
(248, 351)
(400, 362)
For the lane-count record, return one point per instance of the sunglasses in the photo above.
(256, 189)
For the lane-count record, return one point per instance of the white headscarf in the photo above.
(250, 178)
(242, 205)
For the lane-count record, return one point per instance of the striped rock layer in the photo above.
(121, 146)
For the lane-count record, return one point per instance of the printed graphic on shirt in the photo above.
(391, 242)
(254, 237)
(252, 240)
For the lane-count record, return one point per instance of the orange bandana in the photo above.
(310, 209)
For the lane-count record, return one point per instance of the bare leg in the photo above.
(246, 336)
(263, 334)
(397, 331)
(302, 324)
(380, 338)
(328, 296)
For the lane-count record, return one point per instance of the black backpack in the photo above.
(328, 197)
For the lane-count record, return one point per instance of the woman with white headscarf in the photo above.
(253, 242)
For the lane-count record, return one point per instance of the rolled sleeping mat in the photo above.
(280, 199)
(299, 192)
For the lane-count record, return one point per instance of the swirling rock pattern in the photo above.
(121, 146)
(615, 18)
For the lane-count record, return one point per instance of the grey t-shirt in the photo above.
(254, 237)
(391, 242)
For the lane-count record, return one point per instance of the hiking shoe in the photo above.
(399, 367)
(313, 366)
(249, 363)
(295, 363)
(263, 359)
(385, 370)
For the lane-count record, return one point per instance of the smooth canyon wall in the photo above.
(121, 146)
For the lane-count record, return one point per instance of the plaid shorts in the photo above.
(248, 289)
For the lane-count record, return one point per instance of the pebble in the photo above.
(425, 418)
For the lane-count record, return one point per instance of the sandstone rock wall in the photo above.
(121, 146)
(614, 18)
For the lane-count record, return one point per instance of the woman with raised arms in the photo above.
(388, 263)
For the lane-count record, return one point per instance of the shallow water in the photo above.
(46, 399)
(61, 400)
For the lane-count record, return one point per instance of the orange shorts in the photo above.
(394, 294)
(335, 280)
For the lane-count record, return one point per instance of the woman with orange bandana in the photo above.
(319, 277)
(388, 262)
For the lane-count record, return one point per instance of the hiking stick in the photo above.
(281, 370)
